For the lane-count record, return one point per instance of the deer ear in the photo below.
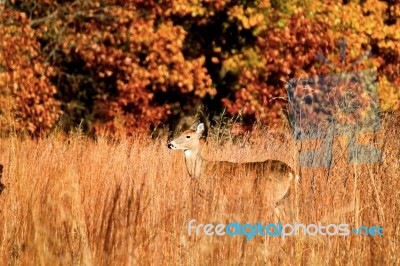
(200, 129)
(194, 125)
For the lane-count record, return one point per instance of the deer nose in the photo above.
(169, 145)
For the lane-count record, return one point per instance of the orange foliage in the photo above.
(27, 97)
(129, 65)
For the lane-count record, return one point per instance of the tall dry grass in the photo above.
(75, 201)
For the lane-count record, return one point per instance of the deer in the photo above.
(1, 175)
(276, 175)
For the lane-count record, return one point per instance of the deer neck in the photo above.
(194, 162)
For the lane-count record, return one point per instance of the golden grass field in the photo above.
(76, 201)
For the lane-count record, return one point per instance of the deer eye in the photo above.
(188, 137)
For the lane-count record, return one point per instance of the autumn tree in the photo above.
(118, 68)
(27, 102)
(127, 66)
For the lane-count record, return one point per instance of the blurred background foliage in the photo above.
(131, 66)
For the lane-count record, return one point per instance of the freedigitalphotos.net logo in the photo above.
(341, 104)
(249, 231)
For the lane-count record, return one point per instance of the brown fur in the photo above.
(275, 175)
